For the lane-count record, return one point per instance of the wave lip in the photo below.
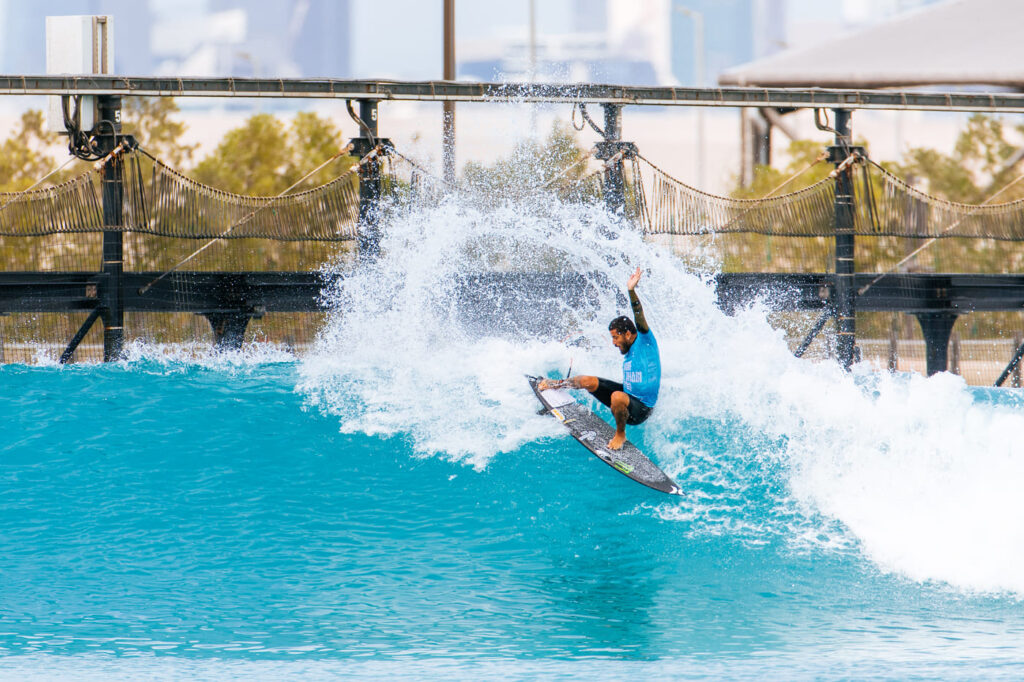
(915, 472)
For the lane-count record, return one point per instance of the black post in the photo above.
(614, 182)
(1014, 366)
(69, 352)
(228, 329)
(1018, 341)
(954, 360)
(894, 345)
(448, 127)
(369, 183)
(761, 140)
(936, 328)
(846, 331)
(811, 335)
(112, 296)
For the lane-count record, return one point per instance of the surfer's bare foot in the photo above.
(617, 440)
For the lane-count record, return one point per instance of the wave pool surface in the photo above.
(187, 520)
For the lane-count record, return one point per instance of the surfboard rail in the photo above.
(593, 433)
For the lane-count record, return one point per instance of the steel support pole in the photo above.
(69, 352)
(1018, 341)
(812, 334)
(614, 181)
(936, 329)
(112, 298)
(228, 329)
(1013, 368)
(448, 128)
(368, 240)
(845, 291)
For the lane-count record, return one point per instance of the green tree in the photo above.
(805, 163)
(154, 123)
(264, 157)
(555, 163)
(250, 159)
(31, 153)
(981, 164)
(747, 251)
(313, 141)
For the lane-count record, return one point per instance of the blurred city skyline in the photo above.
(633, 42)
(613, 41)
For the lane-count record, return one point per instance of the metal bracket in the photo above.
(606, 150)
(838, 154)
(361, 146)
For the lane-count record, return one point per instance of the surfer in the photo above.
(631, 401)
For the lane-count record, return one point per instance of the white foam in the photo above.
(925, 479)
(205, 355)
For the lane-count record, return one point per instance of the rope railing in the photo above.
(275, 201)
(573, 166)
(906, 211)
(163, 201)
(71, 206)
(169, 203)
(918, 223)
(424, 172)
(678, 208)
(171, 222)
(548, 184)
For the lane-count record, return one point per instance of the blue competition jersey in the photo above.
(641, 369)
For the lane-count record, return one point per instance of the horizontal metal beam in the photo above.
(196, 292)
(909, 293)
(48, 292)
(249, 292)
(444, 91)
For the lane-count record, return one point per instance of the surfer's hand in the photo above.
(633, 280)
(547, 384)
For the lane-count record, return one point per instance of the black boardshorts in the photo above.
(638, 412)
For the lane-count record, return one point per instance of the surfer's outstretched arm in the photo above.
(634, 301)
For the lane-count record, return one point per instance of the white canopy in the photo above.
(960, 42)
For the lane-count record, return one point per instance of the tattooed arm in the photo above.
(634, 300)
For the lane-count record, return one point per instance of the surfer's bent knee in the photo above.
(620, 400)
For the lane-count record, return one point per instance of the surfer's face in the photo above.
(622, 340)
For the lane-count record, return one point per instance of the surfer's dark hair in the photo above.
(622, 324)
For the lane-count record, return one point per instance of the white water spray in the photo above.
(921, 474)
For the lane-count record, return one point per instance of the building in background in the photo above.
(249, 38)
(575, 41)
(23, 33)
(318, 38)
(811, 22)
(729, 31)
(633, 42)
(268, 38)
(740, 31)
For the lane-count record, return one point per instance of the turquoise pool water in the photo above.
(390, 504)
(186, 520)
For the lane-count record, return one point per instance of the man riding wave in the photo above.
(631, 401)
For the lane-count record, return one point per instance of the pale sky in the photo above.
(415, 53)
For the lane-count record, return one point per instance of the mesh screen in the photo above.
(167, 217)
